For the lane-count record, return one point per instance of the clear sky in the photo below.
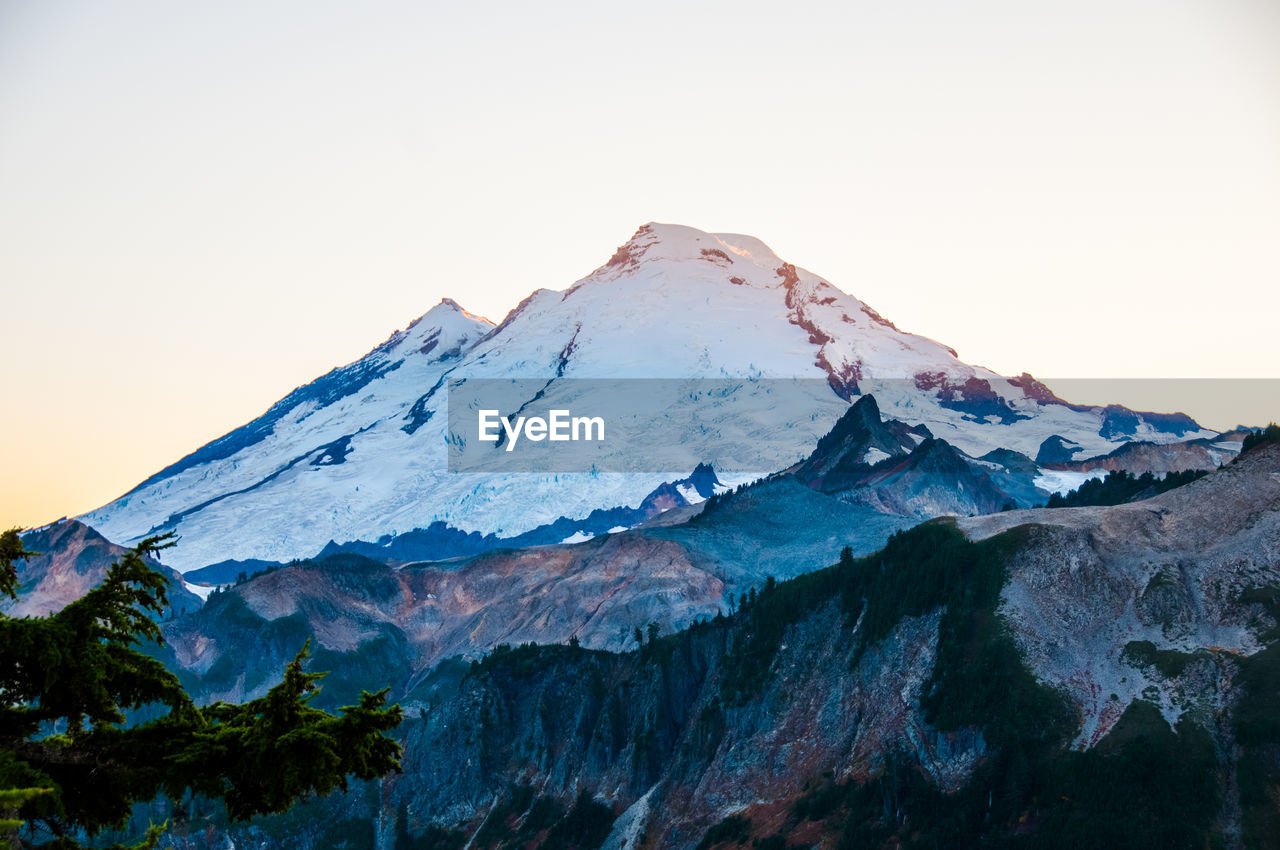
(203, 205)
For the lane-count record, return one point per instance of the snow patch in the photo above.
(689, 493)
(630, 825)
(1064, 481)
(874, 456)
(201, 590)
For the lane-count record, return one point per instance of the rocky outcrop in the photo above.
(1156, 458)
(1174, 570)
(656, 723)
(72, 559)
(901, 470)
(860, 439)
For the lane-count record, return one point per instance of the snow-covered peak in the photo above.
(449, 307)
(655, 241)
(446, 327)
(449, 315)
(677, 302)
(699, 253)
(361, 451)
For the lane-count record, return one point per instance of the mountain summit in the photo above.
(360, 453)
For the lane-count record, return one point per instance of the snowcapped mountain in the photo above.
(362, 452)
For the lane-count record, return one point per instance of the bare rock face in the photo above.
(902, 470)
(1158, 459)
(72, 559)
(1169, 572)
(597, 592)
(674, 741)
(1167, 600)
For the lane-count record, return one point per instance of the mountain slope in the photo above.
(1078, 677)
(690, 562)
(72, 559)
(904, 471)
(328, 456)
(363, 451)
(598, 591)
(1161, 458)
(1175, 571)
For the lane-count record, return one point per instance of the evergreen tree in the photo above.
(72, 763)
(1269, 434)
(404, 839)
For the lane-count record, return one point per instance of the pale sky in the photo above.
(203, 206)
